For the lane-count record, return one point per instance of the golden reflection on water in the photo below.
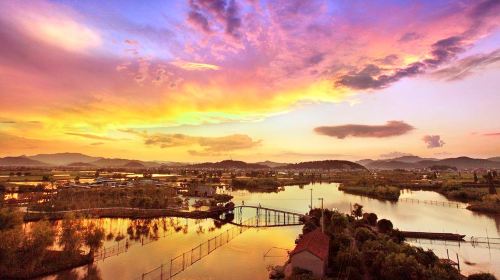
(155, 241)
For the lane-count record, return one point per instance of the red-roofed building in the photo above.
(311, 253)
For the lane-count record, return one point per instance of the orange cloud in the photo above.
(256, 61)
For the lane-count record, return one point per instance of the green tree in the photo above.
(372, 219)
(42, 235)
(491, 182)
(357, 210)
(11, 238)
(384, 226)
(363, 234)
(93, 237)
(71, 237)
(401, 266)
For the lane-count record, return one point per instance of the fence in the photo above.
(475, 242)
(434, 202)
(181, 262)
(111, 251)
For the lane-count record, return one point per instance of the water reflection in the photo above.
(155, 241)
(89, 272)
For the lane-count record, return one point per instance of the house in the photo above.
(103, 182)
(196, 189)
(310, 253)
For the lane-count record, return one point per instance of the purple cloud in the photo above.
(433, 141)
(391, 128)
(372, 76)
(225, 12)
(199, 20)
(466, 66)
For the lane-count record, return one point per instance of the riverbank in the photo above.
(52, 262)
(124, 212)
(365, 248)
(380, 192)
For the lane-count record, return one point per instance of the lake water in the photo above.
(244, 256)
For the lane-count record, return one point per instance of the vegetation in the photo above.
(488, 204)
(379, 192)
(326, 165)
(28, 253)
(464, 194)
(256, 184)
(479, 190)
(481, 276)
(360, 250)
(148, 197)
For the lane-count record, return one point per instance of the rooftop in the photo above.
(316, 242)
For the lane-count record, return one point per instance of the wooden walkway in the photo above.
(265, 217)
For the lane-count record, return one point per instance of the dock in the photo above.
(433, 235)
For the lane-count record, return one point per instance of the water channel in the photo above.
(243, 257)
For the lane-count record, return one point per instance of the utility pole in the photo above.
(322, 216)
(311, 205)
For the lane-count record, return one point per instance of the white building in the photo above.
(311, 253)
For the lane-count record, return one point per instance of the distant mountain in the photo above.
(80, 164)
(64, 158)
(389, 164)
(412, 159)
(365, 162)
(20, 161)
(413, 163)
(171, 163)
(497, 159)
(229, 164)
(134, 164)
(467, 162)
(326, 164)
(119, 162)
(271, 164)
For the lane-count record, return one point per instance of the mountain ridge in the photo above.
(462, 162)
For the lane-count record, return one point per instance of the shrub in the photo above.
(372, 219)
(400, 266)
(481, 276)
(384, 226)
(363, 234)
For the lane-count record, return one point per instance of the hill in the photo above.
(412, 159)
(467, 162)
(229, 164)
(390, 164)
(80, 164)
(459, 162)
(119, 162)
(326, 164)
(134, 164)
(497, 159)
(271, 164)
(64, 158)
(20, 161)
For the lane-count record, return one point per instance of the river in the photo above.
(243, 257)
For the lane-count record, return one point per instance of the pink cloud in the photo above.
(390, 129)
(433, 141)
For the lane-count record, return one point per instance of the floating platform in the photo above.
(433, 235)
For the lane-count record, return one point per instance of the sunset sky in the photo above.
(285, 80)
